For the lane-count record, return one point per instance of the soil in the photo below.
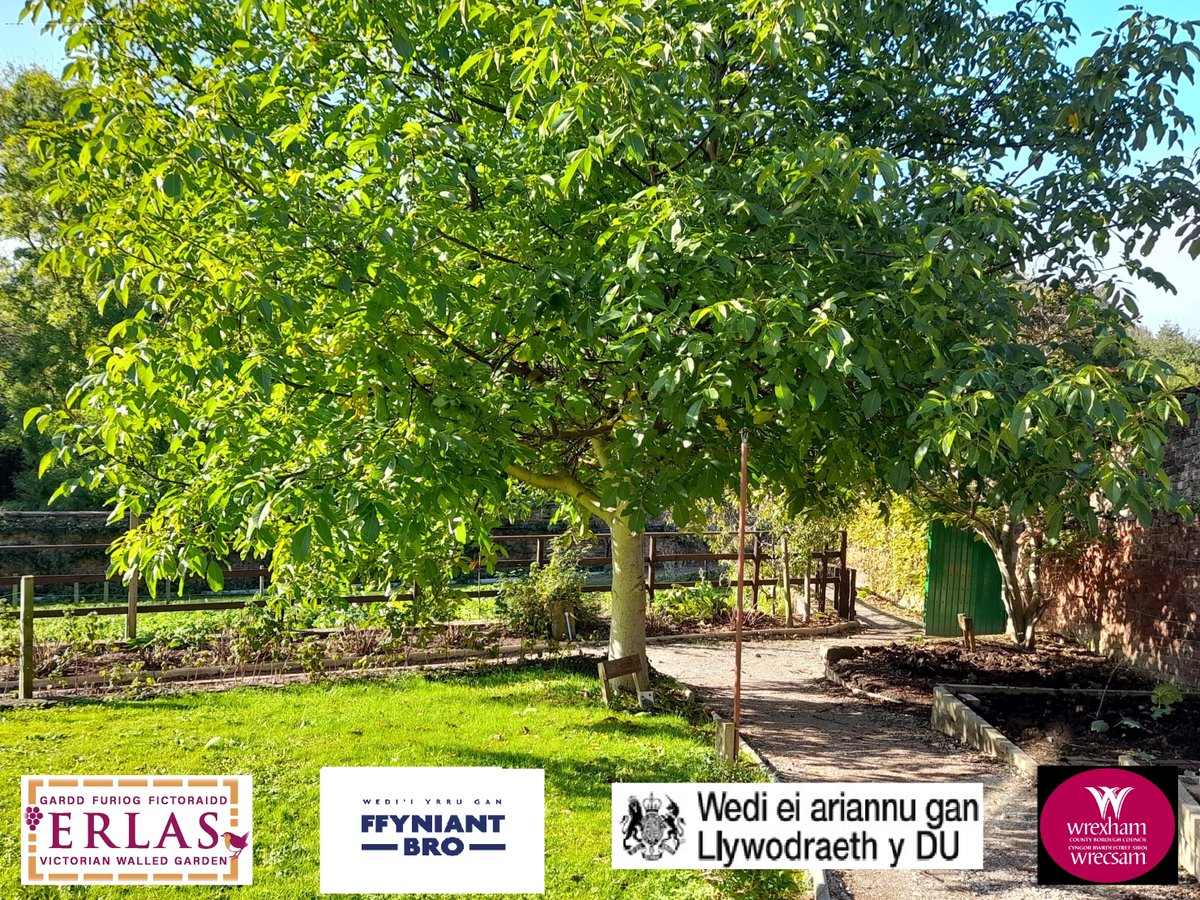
(1058, 728)
(908, 671)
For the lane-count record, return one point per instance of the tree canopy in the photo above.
(399, 256)
(47, 321)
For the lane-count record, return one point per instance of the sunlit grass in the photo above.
(543, 716)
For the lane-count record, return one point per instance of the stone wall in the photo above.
(1136, 591)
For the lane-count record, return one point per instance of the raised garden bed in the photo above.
(1086, 727)
(315, 652)
(958, 710)
(907, 672)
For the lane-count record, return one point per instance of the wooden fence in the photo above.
(829, 570)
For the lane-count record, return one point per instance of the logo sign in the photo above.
(787, 826)
(650, 830)
(126, 829)
(1107, 825)
(432, 830)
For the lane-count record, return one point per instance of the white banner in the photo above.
(136, 829)
(432, 831)
(840, 825)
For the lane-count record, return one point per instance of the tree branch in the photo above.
(563, 483)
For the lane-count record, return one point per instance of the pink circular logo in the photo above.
(1107, 825)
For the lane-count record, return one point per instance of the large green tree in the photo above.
(401, 256)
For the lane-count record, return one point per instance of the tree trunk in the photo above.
(628, 633)
(1019, 594)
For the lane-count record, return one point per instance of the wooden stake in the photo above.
(25, 687)
(787, 580)
(131, 612)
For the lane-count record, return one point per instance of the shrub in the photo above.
(890, 552)
(434, 605)
(690, 606)
(524, 603)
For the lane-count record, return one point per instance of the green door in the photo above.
(961, 577)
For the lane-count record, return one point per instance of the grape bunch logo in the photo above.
(128, 829)
(33, 816)
(1107, 825)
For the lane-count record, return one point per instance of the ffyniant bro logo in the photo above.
(648, 829)
(432, 830)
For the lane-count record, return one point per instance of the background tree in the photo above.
(1177, 347)
(1050, 431)
(400, 255)
(47, 320)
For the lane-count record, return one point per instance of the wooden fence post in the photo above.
(539, 552)
(651, 565)
(786, 574)
(808, 590)
(131, 613)
(757, 561)
(26, 681)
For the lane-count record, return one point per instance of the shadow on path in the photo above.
(812, 731)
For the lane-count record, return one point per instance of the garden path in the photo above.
(813, 731)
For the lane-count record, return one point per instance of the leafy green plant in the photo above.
(690, 606)
(82, 633)
(186, 634)
(407, 618)
(1163, 699)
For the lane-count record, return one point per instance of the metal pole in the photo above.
(737, 619)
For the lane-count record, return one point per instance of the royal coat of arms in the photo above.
(650, 830)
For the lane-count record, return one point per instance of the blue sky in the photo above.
(23, 44)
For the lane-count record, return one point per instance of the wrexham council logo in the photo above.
(1107, 825)
(649, 831)
(1109, 798)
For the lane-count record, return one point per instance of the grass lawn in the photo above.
(537, 716)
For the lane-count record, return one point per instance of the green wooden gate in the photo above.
(961, 577)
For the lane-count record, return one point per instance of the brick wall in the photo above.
(1136, 591)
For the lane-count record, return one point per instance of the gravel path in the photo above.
(812, 731)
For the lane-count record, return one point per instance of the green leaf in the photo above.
(871, 402)
(171, 185)
(817, 392)
(301, 542)
(214, 576)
